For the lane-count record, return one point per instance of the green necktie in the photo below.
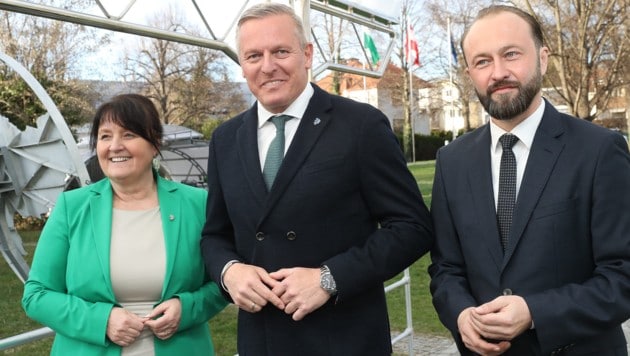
(275, 154)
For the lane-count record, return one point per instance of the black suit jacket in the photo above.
(569, 246)
(342, 177)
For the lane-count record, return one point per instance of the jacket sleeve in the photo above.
(200, 305)
(45, 296)
(392, 198)
(449, 283)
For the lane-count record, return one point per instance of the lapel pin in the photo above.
(316, 121)
(171, 217)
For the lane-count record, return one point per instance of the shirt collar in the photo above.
(296, 109)
(525, 130)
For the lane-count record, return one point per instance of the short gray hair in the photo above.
(267, 9)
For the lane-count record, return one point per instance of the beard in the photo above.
(505, 107)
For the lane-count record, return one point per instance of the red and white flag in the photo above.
(411, 48)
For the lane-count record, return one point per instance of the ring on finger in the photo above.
(253, 307)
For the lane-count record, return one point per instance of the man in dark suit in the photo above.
(546, 271)
(305, 254)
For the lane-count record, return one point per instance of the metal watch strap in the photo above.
(327, 281)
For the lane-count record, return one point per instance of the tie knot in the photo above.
(507, 141)
(279, 121)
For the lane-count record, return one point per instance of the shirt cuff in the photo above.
(225, 268)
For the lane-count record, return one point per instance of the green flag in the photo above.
(368, 42)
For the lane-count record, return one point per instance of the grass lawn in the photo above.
(223, 326)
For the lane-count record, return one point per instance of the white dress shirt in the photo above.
(525, 132)
(267, 130)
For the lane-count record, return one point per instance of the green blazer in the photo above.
(69, 287)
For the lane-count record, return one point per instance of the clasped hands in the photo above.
(123, 326)
(488, 328)
(296, 291)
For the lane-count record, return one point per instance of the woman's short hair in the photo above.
(135, 113)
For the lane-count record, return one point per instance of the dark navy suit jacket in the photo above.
(343, 197)
(569, 248)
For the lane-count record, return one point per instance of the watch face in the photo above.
(327, 282)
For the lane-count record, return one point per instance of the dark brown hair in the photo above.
(135, 113)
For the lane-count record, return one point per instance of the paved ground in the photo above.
(426, 345)
(440, 346)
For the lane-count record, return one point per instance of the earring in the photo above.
(156, 164)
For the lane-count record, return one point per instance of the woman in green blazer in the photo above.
(118, 269)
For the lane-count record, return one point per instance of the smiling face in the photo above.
(505, 66)
(124, 156)
(273, 62)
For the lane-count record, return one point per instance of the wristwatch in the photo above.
(326, 280)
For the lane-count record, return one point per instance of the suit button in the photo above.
(507, 291)
(291, 235)
(260, 236)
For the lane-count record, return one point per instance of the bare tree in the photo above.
(189, 84)
(207, 90)
(590, 50)
(407, 138)
(459, 14)
(335, 29)
(160, 64)
(331, 32)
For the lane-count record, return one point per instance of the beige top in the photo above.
(138, 267)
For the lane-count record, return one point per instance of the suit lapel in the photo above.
(170, 213)
(312, 124)
(480, 181)
(101, 220)
(247, 142)
(543, 155)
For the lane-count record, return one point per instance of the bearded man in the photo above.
(531, 211)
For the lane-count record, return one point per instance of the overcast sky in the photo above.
(220, 15)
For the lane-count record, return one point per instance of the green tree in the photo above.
(52, 52)
(20, 104)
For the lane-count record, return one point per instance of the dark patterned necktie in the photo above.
(275, 154)
(507, 187)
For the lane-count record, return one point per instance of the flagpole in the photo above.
(450, 75)
(411, 104)
(365, 89)
(367, 98)
(450, 59)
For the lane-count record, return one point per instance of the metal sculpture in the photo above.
(35, 166)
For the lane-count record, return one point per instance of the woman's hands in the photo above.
(164, 319)
(124, 327)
